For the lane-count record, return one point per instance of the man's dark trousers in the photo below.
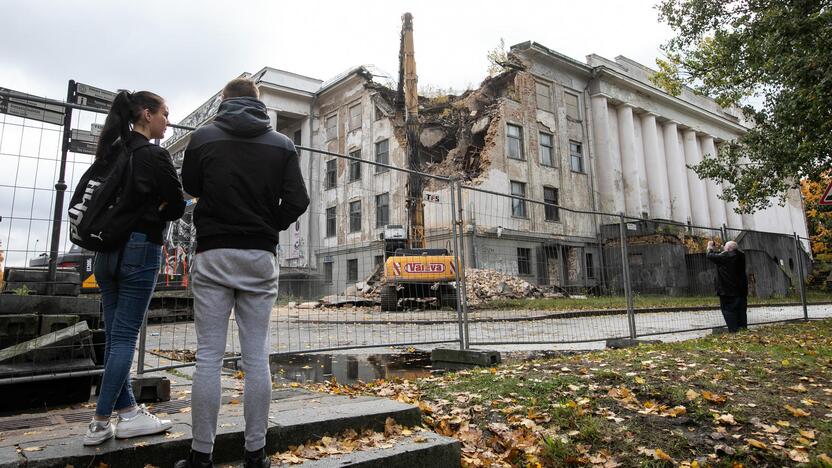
(734, 311)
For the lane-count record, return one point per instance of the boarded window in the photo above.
(352, 270)
(590, 266)
(518, 207)
(514, 141)
(330, 221)
(524, 261)
(547, 150)
(328, 272)
(382, 209)
(544, 96)
(355, 216)
(355, 166)
(573, 108)
(576, 156)
(550, 198)
(355, 117)
(331, 178)
(382, 155)
(331, 127)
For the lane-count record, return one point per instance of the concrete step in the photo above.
(295, 417)
(432, 451)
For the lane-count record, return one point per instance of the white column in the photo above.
(696, 186)
(629, 162)
(610, 183)
(749, 220)
(656, 170)
(677, 181)
(716, 206)
(794, 202)
(642, 167)
(733, 219)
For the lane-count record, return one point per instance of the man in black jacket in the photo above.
(731, 284)
(249, 184)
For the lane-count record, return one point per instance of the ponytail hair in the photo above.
(126, 109)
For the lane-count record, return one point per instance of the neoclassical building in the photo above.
(593, 136)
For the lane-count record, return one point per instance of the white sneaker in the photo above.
(97, 434)
(141, 424)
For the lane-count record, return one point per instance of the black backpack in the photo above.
(100, 212)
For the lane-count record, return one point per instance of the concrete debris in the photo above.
(456, 130)
(482, 286)
(488, 285)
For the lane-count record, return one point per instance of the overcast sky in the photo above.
(187, 50)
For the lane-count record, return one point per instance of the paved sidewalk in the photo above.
(55, 438)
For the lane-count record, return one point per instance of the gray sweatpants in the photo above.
(245, 280)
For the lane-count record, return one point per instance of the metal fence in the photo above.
(532, 271)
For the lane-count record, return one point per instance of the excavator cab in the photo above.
(419, 274)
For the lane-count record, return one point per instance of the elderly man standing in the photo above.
(731, 284)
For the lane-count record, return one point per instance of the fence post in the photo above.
(142, 347)
(461, 231)
(60, 189)
(797, 252)
(625, 268)
(459, 300)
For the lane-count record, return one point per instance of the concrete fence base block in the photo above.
(719, 330)
(151, 389)
(620, 343)
(451, 358)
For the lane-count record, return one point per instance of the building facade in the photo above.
(588, 137)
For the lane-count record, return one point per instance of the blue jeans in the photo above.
(126, 278)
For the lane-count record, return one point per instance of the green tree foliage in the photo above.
(775, 52)
(497, 57)
(818, 217)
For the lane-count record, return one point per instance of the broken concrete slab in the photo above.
(467, 357)
(430, 136)
(480, 125)
(70, 342)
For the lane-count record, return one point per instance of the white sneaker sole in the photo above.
(127, 434)
(90, 442)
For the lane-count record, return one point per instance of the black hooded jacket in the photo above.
(247, 178)
(155, 184)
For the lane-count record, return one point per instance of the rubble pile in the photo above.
(487, 285)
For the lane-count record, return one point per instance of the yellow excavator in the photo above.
(412, 271)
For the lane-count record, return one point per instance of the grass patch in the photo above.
(759, 398)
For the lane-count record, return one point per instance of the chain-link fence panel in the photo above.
(537, 272)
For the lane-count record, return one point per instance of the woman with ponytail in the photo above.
(127, 275)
